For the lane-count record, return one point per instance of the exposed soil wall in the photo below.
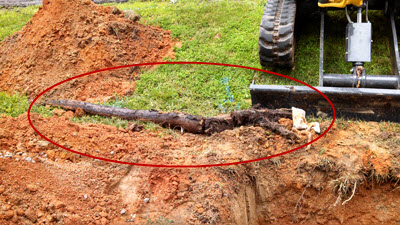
(343, 178)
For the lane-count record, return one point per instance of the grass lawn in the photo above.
(14, 19)
(224, 32)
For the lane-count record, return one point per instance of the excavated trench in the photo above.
(343, 178)
(349, 176)
(261, 203)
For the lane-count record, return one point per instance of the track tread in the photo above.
(276, 39)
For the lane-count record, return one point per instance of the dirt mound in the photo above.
(67, 38)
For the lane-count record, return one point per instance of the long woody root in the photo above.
(265, 118)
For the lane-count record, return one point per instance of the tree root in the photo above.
(265, 118)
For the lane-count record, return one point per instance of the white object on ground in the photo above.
(300, 122)
(299, 119)
(315, 126)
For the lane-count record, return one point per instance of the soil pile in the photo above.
(67, 38)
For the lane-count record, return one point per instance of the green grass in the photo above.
(200, 89)
(14, 105)
(117, 122)
(390, 126)
(12, 20)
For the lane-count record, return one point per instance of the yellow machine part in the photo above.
(341, 3)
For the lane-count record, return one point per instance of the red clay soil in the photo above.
(44, 184)
(350, 176)
(68, 38)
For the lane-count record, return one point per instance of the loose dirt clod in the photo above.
(68, 38)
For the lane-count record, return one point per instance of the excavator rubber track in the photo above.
(276, 39)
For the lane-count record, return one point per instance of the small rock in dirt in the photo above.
(70, 209)
(85, 196)
(200, 210)
(7, 207)
(20, 147)
(122, 130)
(135, 127)
(28, 159)
(146, 200)
(103, 221)
(69, 114)
(39, 213)
(131, 15)
(50, 207)
(109, 98)
(50, 218)
(58, 204)
(58, 112)
(384, 135)
(20, 212)
(116, 11)
(79, 112)
(51, 154)
(103, 214)
(32, 187)
(29, 214)
(73, 219)
(59, 216)
(112, 153)
(9, 214)
(8, 155)
(42, 143)
(2, 189)
(123, 211)
(3, 134)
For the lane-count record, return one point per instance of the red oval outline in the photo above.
(182, 166)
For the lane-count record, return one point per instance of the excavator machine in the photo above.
(355, 95)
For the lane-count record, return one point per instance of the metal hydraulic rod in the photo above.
(366, 81)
